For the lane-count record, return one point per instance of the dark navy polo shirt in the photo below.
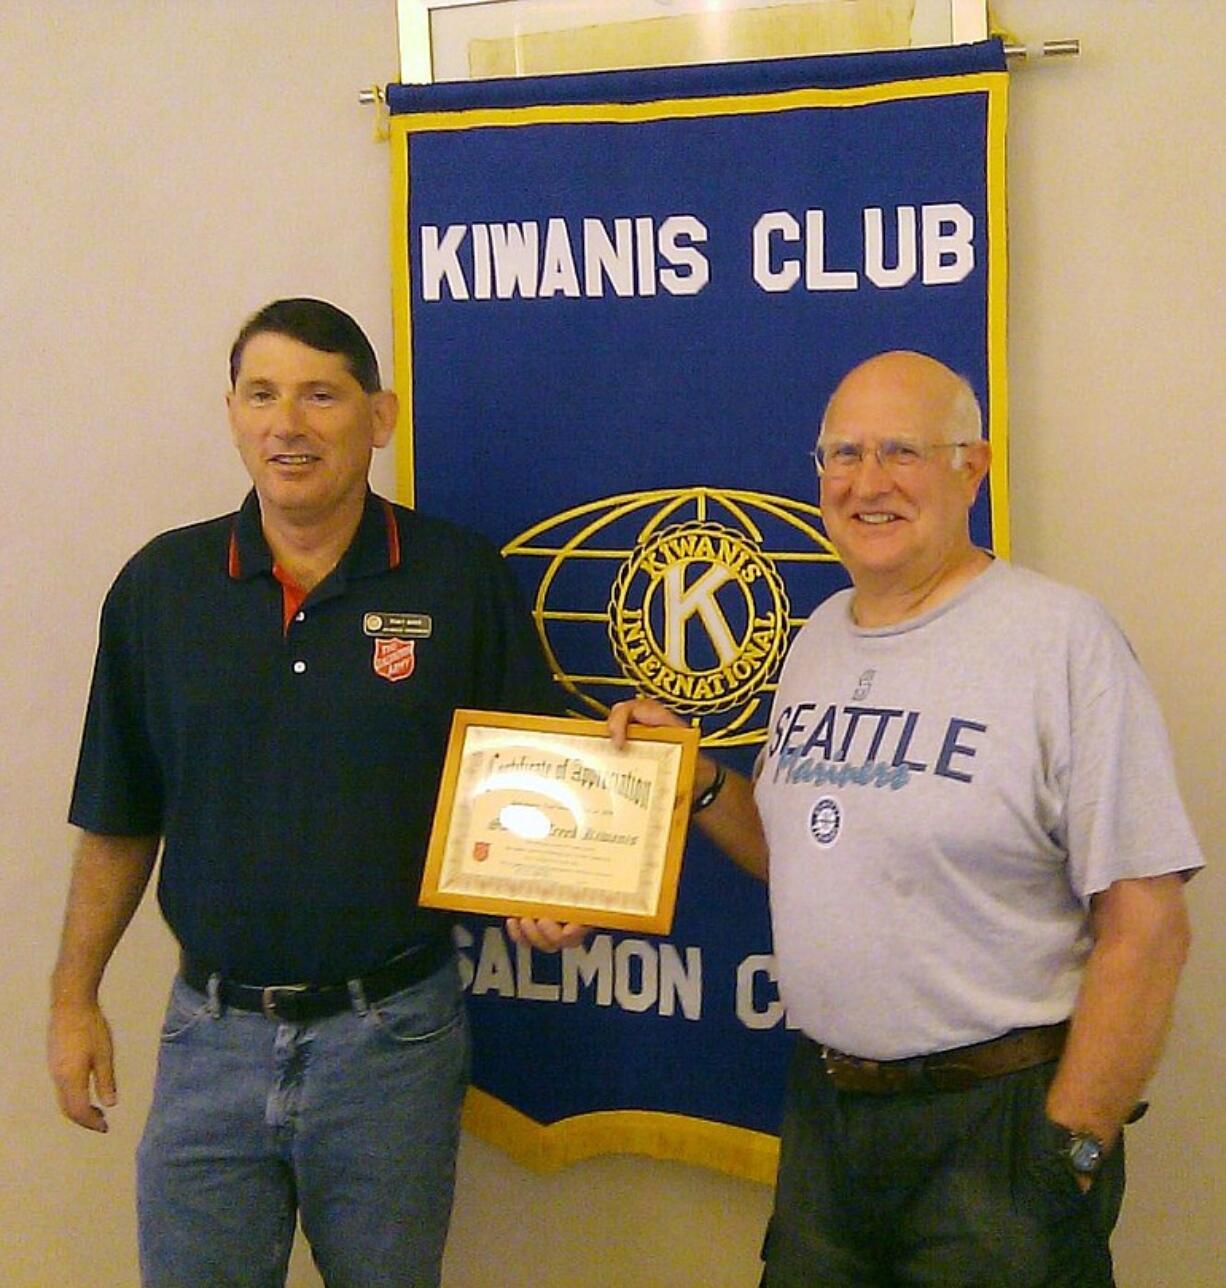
(292, 770)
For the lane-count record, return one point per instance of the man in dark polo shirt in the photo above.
(270, 705)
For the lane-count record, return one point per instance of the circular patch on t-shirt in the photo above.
(825, 820)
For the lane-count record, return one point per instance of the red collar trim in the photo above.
(393, 534)
(292, 595)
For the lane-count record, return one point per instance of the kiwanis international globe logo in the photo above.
(680, 594)
(684, 567)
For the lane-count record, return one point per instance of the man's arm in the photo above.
(109, 876)
(1123, 1011)
(731, 820)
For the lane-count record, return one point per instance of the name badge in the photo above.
(398, 626)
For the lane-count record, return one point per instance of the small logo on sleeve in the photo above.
(825, 820)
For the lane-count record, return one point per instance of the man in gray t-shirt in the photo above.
(976, 854)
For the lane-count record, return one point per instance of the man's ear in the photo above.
(384, 408)
(230, 396)
(977, 460)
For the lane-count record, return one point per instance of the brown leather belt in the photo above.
(954, 1070)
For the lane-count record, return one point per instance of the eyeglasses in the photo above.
(895, 455)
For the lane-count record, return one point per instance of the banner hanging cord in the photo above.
(375, 95)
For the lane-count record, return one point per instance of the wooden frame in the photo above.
(541, 816)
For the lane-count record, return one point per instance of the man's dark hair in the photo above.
(319, 325)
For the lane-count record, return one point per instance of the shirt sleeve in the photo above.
(118, 787)
(515, 675)
(1125, 818)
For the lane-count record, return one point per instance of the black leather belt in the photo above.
(953, 1070)
(297, 1003)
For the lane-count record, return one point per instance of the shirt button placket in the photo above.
(299, 666)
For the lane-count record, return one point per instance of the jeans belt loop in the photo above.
(357, 995)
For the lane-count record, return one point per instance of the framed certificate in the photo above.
(444, 40)
(541, 816)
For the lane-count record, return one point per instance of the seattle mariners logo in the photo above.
(678, 594)
(825, 820)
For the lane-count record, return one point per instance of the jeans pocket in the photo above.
(1053, 1186)
(185, 1009)
(422, 1013)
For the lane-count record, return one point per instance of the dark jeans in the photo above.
(956, 1189)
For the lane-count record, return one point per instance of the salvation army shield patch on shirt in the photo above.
(394, 659)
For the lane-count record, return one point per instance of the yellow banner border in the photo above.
(549, 1147)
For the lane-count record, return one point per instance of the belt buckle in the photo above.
(269, 1000)
(833, 1063)
(849, 1072)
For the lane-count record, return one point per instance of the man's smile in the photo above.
(877, 516)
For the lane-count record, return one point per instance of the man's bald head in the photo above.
(943, 398)
(903, 452)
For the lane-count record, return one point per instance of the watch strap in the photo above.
(711, 791)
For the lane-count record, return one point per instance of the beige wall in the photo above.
(170, 166)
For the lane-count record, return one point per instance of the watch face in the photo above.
(1085, 1154)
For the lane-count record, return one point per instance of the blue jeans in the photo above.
(350, 1123)
(946, 1189)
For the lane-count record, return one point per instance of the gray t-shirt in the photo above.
(942, 797)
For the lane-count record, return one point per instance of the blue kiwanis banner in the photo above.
(621, 303)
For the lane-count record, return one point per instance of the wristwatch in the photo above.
(1080, 1151)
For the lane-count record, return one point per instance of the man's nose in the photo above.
(871, 477)
(286, 417)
